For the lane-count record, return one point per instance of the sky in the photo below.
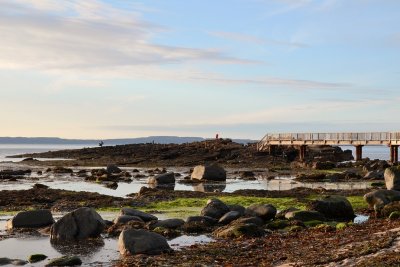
(240, 68)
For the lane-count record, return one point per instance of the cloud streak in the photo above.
(240, 37)
(87, 35)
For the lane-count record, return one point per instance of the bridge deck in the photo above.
(356, 139)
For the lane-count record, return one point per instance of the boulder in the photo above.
(143, 215)
(377, 175)
(31, 219)
(379, 198)
(334, 208)
(65, 261)
(211, 172)
(36, 258)
(15, 262)
(79, 224)
(207, 221)
(132, 242)
(112, 168)
(390, 208)
(238, 208)
(305, 216)
(164, 178)
(229, 217)
(215, 208)
(264, 211)
(62, 170)
(168, 224)
(238, 230)
(392, 178)
(122, 219)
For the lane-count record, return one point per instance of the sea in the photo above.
(372, 152)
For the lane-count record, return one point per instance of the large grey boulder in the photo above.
(215, 208)
(392, 178)
(264, 211)
(142, 215)
(31, 219)
(305, 216)
(379, 198)
(164, 178)
(79, 224)
(132, 242)
(210, 172)
(334, 208)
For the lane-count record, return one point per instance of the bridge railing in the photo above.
(366, 136)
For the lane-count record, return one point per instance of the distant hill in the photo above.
(108, 142)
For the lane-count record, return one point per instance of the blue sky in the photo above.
(240, 68)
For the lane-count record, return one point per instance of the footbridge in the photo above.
(302, 140)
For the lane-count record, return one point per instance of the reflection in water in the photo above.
(170, 187)
(210, 187)
(83, 248)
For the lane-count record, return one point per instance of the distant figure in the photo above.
(101, 143)
(216, 136)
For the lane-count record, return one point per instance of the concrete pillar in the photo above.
(303, 152)
(394, 153)
(359, 152)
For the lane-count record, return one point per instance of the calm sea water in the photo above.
(16, 149)
(372, 152)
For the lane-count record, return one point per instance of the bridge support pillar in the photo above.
(359, 152)
(272, 149)
(394, 153)
(303, 152)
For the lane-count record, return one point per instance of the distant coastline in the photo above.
(122, 141)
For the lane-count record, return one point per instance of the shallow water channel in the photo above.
(233, 183)
(92, 253)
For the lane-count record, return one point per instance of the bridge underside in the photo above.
(302, 140)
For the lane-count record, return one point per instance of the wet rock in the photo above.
(247, 175)
(111, 185)
(132, 242)
(79, 224)
(238, 208)
(16, 262)
(40, 186)
(65, 261)
(143, 215)
(379, 198)
(264, 211)
(334, 208)
(15, 172)
(31, 219)
(168, 224)
(167, 232)
(376, 175)
(215, 208)
(392, 178)
(206, 220)
(112, 168)
(236, 230)
(323, 165)
(395, 215)
(281, 214)
(390, 208)
(304, 216)
(211, 172)
(165, 178)
(36, 258)
(254, 220)
(122, 219)
(62, 170)
(229, 217)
